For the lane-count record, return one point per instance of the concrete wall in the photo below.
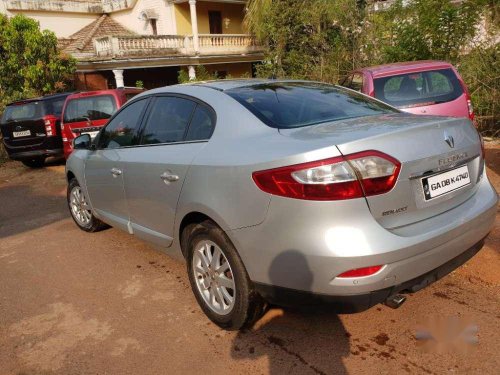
(131, 18)
(62, 24)
(235, 12)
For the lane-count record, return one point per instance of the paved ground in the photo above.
(106, 303)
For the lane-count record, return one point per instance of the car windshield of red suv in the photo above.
(418, 89)
(90, 108)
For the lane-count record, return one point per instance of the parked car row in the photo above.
(278, 191)
(34, 129)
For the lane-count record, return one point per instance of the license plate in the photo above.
(24, 133)
(92, 134)
(446, 182)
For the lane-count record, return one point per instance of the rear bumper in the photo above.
(360, 302)
(27, 155)
(304, 246)
(50, 147)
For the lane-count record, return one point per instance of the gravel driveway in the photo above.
(107, 303)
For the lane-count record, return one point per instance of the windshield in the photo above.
(418, 89)
(18, 112)
(89, 108)
(286, 105)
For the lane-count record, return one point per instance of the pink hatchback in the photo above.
(419, 87)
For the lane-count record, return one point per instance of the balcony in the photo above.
(175, 45)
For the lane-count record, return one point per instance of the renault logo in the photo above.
(449, 139)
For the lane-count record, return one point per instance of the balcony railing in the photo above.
(175, 45)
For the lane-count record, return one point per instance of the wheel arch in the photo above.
(69, 176)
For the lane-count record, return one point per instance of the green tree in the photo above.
(426, 29)
(30, 61)
(315, 39)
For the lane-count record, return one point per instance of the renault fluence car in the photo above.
(287, 192)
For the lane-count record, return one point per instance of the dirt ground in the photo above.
(106, 303)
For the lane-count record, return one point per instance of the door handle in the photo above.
(116, 172)
(169, 177)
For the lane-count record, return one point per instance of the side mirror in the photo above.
(82, 142)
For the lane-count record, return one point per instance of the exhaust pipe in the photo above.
(395, 301)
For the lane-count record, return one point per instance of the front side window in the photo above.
(121, 131)
(286, 105)
(418, 89)
(91, 108)
(168, 120)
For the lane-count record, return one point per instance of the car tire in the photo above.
(80, 209)
(246, 306)
(34, 163)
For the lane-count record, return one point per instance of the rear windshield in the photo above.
(23, 112)
(286, 105)
(91, 108)
(418, 89)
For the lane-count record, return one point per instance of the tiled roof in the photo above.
(80, 44)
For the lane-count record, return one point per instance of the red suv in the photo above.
(87, 112)
(418, 87)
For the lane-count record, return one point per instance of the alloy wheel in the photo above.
(80, 208)
(214, 277)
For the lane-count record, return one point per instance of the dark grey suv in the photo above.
(31, 129)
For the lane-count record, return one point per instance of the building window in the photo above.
(154, 27)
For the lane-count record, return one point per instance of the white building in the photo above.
(120, 42)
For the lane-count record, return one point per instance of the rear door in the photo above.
(104, 166)
(434, 92)
(175, 131)
(23, 125)
(88, 114)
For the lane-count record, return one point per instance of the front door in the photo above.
(104, 167)
(215, 21)
(154, 173)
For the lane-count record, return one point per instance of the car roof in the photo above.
(40, 98)
(84, 94)
(404, 67)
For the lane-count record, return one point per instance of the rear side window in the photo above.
(287, 105)
(419, 89)
(130, 95)
(354, 82)
(55, 106)
(121, 131)
(168, 120)
(98, 107)
(23, 112)
(202, 124)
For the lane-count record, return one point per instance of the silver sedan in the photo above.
(287, 192)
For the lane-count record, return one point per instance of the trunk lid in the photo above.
(418, 142)
(23, 125)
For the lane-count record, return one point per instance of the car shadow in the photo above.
(24, 209)
(295, 340)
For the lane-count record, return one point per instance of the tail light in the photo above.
(344, 177)
(50, 125)
(361, 272)
(471, 109)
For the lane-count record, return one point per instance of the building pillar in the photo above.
(194, 25)
(191, 72)
(119, 77)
